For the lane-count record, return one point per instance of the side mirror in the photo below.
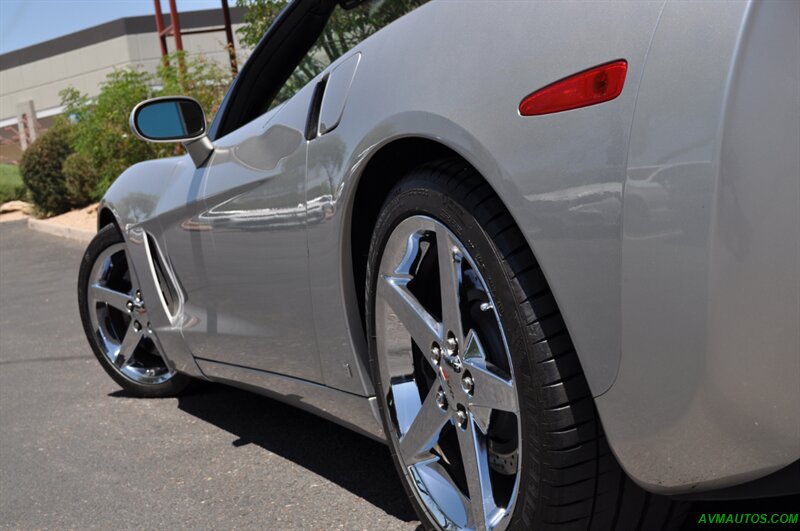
(173, 119)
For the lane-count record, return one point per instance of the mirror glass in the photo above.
(170, 119)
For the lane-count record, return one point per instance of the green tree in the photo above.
(193, 75)
(101, 134)
(345, 29)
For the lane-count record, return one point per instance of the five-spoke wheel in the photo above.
(120, 321)
(116, 320)
(446, 376)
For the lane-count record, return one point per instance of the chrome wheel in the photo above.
(119, 320)
(447, 379)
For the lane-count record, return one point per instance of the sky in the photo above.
(27, 22)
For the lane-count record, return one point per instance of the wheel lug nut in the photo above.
(129, 305)
(468, 384)
(461, 417)
(436, 352)
(137, 326)
(441, 399)
(452, 343)
(138, 296)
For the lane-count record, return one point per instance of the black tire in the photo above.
(105, 238)
(569, 479)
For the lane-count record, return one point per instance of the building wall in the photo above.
(40, 81)
(86, 68)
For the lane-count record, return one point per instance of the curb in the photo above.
(63, 231)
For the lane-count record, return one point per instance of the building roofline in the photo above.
(111, 30)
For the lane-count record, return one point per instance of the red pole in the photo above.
(160, 29)
(176, 25)
(226, 13)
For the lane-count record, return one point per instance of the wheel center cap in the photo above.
(447, 381)
(139, 313)
(454, 362)
(136, 306)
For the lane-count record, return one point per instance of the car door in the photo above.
(238, 243)
(240, 246)
(251, 300)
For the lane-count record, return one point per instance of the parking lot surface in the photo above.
(78, 453)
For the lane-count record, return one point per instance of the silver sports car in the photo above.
(547, 251)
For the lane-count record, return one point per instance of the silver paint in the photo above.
(666, 221)
(707, 391)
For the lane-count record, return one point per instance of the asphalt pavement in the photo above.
(78, 453)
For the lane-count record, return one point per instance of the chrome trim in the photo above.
(111, 309)
(466, 388)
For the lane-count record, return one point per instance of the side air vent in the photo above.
(312, 122)
(169, 293)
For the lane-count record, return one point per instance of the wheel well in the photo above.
(384, 170)
(106, 217)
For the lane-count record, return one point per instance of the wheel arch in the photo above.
(385, 167)
(106, 217)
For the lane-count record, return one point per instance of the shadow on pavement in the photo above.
(357, 463)
(350, 460)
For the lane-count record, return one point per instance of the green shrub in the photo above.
(41, 168)
(101, 133)
(199, 78)
(11, 185)
(81, 178)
